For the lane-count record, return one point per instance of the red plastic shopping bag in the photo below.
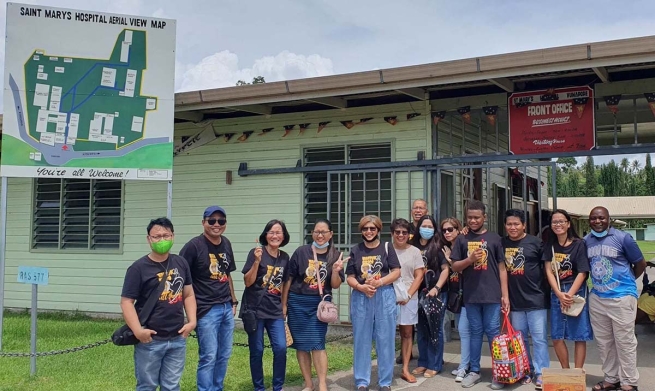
(509, 356)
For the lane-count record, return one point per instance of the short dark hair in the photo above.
(262, 238)
(162, 222)
(399, 223)
(476, 205)
(515, 213)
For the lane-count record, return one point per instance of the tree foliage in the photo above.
(255, 80)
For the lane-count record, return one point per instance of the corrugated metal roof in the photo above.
(619, 207)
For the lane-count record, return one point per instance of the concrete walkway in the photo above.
(445, 381)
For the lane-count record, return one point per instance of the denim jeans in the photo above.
(215, 331)
(277, 336)
(159, 363)
(483, 319)
(464, 330)
(533, 323)
(430, 356)
(373, 318)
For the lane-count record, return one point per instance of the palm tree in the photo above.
(636, 166)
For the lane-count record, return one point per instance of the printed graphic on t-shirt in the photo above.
(454, 277)
(564, 265)
(174, 286)
(425, 259)
(272, 280)
(371, 267)
(515, 261)
(219, 266)
(602, 272)
(480, 264)
(315, 268)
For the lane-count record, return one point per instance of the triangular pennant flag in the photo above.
(579, 104)
(490, 112)
(321, 126)
(348, 124)
(363, 120)
(264, 131)
(303, 127)
(228, 136)
(650, 97)
(245, 135)
(612, 103)
(438, 116)
(185, 138)
(412, 115)
(392, 120)
(288, 129)
(465, 112)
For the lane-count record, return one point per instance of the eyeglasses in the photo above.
(448, 229)
(161, 237)
(321, 233)
(214, 221)
(400, 233)
(275, 233)
(364, 229)
(559, 222)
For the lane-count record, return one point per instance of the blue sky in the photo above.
(222, 41)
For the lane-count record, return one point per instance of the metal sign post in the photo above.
(35, 276)
(3, 250)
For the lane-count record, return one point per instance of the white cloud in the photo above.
(222, 70)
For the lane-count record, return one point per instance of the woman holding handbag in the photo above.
(411, 277)
(314, 270)
(430, 357)
(567, 268)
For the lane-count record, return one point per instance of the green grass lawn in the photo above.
(648, 248)
(110, 367)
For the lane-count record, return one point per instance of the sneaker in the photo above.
(471, 379)
(362, 388)
(454, 372)
(460, 375)
(497, 386)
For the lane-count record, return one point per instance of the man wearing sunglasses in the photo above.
(211, 261)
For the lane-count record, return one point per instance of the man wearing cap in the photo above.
(211, 261)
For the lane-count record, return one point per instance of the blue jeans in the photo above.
(215, 331)
(430, 356)
(464, 330)
(277, 336)
(535, 323)
(373, 318)
(159, 363)
(483, 319)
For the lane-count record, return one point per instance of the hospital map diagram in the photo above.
(88, 105)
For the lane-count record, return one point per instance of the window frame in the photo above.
(33, 209)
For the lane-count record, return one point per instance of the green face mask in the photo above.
(162, 246)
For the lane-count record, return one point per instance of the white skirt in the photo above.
(408, 313)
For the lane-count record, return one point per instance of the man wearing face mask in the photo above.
(616, 263)
(159, 357)
(211, 261)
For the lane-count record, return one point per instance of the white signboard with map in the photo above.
(87, 95)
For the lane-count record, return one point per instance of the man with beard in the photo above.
(616, 263)
(480, 257)
(211, 261)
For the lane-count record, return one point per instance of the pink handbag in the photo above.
(327, 311)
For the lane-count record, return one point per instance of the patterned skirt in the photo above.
(307, 331)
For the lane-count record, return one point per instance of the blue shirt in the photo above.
(611, 259)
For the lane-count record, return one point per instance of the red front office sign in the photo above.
(550, 121)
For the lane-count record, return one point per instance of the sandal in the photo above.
(600, 386)
(538, 383)
(408, 378)
(430, 373)
(526, 380)
(419, 371)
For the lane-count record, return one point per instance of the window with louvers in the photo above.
(351, 194)
(77, 214)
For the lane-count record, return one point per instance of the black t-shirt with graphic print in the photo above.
(430, 278)
(303, 272)
(143, 277)
(526, 278)
(210, 267)
(572, 259)
(265, 294)
(372, 262)
(481, 280)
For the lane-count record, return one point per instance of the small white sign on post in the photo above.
(35, 276)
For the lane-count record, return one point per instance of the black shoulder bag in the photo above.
(124, 335)
(455, 301)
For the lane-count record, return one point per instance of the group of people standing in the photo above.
(516, 275)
